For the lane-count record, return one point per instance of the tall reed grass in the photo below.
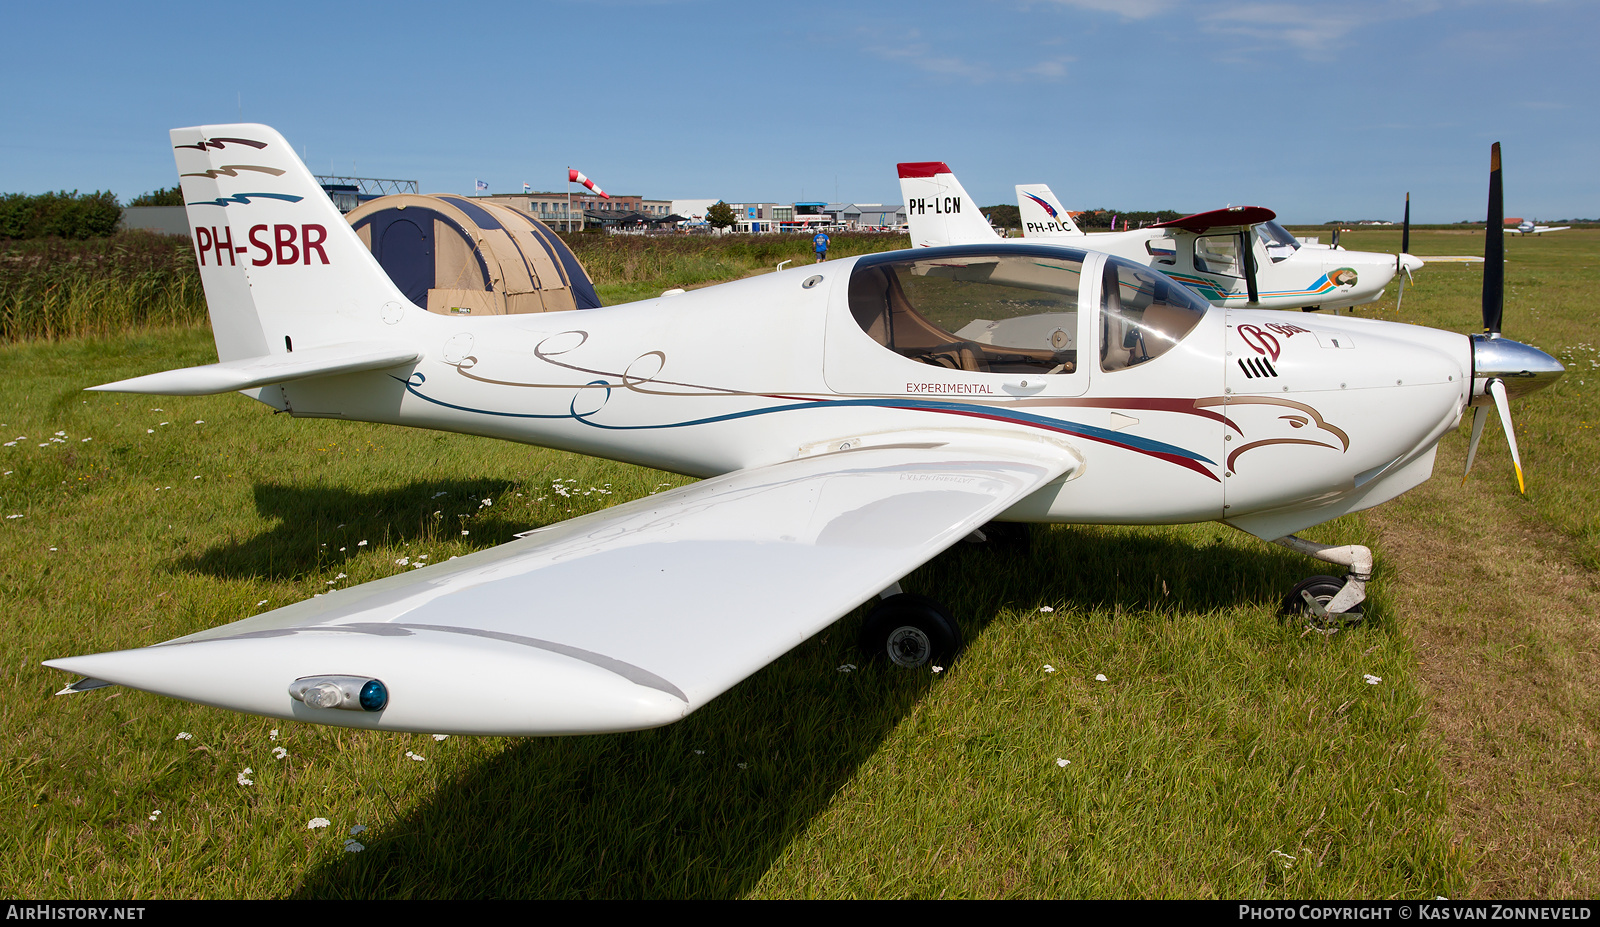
(133, 281)
(136, 281)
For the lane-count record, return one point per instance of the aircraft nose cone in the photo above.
(1524, 368)
(1410, 262)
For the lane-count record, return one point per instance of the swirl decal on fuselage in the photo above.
(644, 372)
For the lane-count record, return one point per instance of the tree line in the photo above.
(71, 215)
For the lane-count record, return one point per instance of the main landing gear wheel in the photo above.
(910, 631)
(1009, 537)
(1321, 589)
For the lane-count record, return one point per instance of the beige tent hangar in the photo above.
(455, 256)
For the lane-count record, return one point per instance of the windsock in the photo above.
(576, 176)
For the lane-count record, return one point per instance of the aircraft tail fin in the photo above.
(1042, 214)
(938, 210)
(280, 266)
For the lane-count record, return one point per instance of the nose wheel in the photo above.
(912, 631)
(1308, 601)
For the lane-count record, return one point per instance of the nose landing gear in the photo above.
(1327, 601)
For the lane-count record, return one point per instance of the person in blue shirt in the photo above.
(819, 241)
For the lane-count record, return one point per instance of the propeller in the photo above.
(1506, 368)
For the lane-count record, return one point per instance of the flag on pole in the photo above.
(526, 188)
(576, 176)
(481, 185)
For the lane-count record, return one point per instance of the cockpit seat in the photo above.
(958, 355)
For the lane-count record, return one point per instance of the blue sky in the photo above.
(1319, 110)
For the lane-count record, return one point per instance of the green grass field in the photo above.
(1225, 754)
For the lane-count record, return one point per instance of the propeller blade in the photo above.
(1400, 297)
(1250, 269)
(1494, 248)
(1405, 228)
(1479, 415)
(1497, 389)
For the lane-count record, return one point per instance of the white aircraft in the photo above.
(1527, 227)
(851, 420)
(1236, 256)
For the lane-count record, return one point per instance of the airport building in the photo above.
(587, 208)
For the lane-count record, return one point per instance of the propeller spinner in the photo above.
(1501, 368)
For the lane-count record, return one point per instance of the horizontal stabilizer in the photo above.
(250, 372)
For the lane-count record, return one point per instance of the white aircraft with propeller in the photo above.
(1529, 227)
(851, 420)
(1238, 256)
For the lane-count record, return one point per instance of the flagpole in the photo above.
(569, 199)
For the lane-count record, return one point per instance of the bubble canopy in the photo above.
(1017, 310)
(971, 309)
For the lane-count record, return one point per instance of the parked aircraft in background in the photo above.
(851, 420)
(1528, 227)
(1236, 256)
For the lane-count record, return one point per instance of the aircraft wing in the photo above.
(624, 619)
(1220, 218)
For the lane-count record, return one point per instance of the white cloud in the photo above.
(1127, 9)
(1315, 29)
(923, 56)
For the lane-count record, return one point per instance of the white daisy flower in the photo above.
(316, 823)
(440, 736)
(279, 753)
(1100, 677)
(1048, 668)
(1371, 679)
(184, 735)
(244, 777)
(1063, 763)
